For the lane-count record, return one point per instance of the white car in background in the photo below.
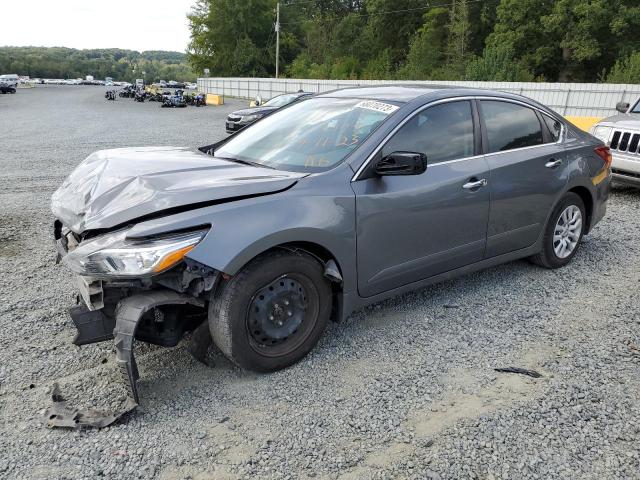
(622, 134)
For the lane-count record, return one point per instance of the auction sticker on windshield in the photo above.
(377, 106)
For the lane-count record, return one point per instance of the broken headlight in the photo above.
(113, 255)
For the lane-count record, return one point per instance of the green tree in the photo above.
(497, 64)
(626, 70)
(125, 65)
(427, 52)
(458, 53)
(567, 40)
(230, 37)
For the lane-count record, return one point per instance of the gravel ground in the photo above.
(404, 389)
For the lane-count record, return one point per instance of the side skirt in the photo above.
(352, 301)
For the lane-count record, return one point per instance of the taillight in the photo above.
(604, 153)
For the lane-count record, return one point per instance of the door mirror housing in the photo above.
(401, 163)
(622, 107)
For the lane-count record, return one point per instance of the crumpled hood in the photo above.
(623, 120)
(111, 187)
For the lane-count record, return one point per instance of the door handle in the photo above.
(475, 184)
(553, 163)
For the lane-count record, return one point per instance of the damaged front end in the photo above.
(136, 289)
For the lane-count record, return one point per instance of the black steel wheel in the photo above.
(271, 313)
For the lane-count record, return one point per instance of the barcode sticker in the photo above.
(377, 106)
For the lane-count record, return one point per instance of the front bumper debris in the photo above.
(60, 415)
(129, 312)
(93, 325)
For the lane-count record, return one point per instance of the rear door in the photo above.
(528, 172)
(413, 227)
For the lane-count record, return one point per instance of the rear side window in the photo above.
(555, 127)
(442, 132)
(510, 126)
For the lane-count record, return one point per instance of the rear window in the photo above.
(510, 126)
(555, 127)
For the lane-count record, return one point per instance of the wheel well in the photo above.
(318, 251)
(585, 195)
(323, 255)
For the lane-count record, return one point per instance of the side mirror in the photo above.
(258, 101)
(622, 107)
(401, 163)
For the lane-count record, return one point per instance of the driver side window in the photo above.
(442, 132)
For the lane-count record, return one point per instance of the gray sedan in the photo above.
(327, 205)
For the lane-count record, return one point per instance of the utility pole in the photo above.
(277, 36)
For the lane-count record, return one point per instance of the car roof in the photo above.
(397, 93)
(408, 93)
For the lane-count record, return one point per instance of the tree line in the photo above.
(499, 40)
(122, 65)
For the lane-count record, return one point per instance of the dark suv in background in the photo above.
(7, 88)
(241, 118)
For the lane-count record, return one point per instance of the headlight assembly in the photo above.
(602, 132)
(250, 118)
(113, 255)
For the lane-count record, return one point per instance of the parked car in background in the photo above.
(7, 88)
(10, 79)
(241, 118)
(258, 249)
(622, 134)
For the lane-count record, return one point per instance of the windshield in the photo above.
(309, 136)
(636, 107)
(281, 100)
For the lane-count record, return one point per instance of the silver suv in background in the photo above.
(622, 134)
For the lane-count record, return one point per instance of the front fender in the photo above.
(320, 210)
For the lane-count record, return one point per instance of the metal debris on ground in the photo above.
(60, 415)
(521, 371)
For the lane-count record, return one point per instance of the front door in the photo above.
(413, 227)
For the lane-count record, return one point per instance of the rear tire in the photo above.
(563, 233)
(271, 313)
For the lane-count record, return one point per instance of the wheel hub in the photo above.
(277, 311)
(567, 231)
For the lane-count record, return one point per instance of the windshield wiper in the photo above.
(246, 162)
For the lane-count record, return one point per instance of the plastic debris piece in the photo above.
(521, 371)
(61, 415)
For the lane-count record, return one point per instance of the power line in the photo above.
(427, 7)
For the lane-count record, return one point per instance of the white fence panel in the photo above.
(576, 99)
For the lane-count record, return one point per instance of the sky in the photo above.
(142, 25)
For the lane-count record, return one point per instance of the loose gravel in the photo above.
(404, 389)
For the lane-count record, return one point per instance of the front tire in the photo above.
(271, 313)
(563, 233)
